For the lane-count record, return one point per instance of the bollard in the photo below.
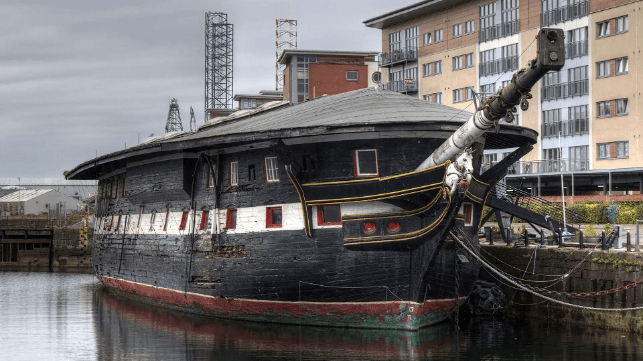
(488, 235)
(542, 237)
(508, 236)
(580, 240)
(629, 242)
(603, 243)
(526, 238)
(561, 242)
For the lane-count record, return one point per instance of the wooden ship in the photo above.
(333, 212)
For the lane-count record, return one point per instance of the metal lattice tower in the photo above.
(218, 62)
(174, 123)
(192, 121)
(286, 39)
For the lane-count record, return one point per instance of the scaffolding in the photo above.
(286, 34)
(218, 62)
(174, 123)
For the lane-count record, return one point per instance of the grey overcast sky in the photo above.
(84, 76)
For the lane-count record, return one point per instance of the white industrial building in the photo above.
(37, 201)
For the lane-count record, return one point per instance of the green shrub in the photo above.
(608, 228)
(590, 230)
(495, 229)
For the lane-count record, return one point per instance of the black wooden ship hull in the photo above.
(327, 224)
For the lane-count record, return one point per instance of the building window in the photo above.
(272, 172)
(329, 215)
(231, 218)
(233, 179)
(457, 30)
(490, 159)
(438, 36)
(438, 67)
(602, 29)
(468, 60)
(167, 218)
(438, 98)
(602, 69)
(621, 107)
(351, 75)
(273, 217)
(204, 220)
(457, 96)
(411, 37)
(434, 98)
(426, 69)
(578, 158)
(488, 89)
(252, 174)
(394, 41)
(613, 150)
(246, 103)
(303, 63)
(426, 39)
(184, 220)
(621, 24)
(365, 163)
(470, 94)
(603, 109)
(469, 27)
(621, 66)
(457, 62)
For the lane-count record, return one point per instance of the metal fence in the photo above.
(403, 54)
(564, 13)
(549, 166)
(402, 86)
(565, 90)
(565, 127)
(499, 31)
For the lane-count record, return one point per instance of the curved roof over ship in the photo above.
(358, 111)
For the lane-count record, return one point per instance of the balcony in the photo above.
(499, 65)
(566, 128)
(403, 86)
(399, 55)
(549, 166)
(499, 31)
(564, 13)
(570, 89)
(575, 49)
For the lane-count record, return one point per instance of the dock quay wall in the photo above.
(588, 270)
(33, 245)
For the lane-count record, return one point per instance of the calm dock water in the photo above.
(58, 316)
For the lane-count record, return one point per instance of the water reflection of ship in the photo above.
(128, 329)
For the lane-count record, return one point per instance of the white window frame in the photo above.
(469, 91)
(602, 29)
(426, 69)
(438, 67)
(352, 72)
(603, 109)
(234, 173)
(426, 39)
(468, 60)
(377, 164)
(457, 30)
(457, 62)
(621, 66)
(457, 95)
(272, 171)
(622, 106)
(438, 98)
(621, 25)
(603, 69)
(438, 36)
(469, 27)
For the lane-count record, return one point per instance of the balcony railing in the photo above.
(575, 49)
(564, 13)
(565, 127)
(499, 31)
(402, 86)
(395, 56)
(570, 89)
(499, 65)
(544, 166)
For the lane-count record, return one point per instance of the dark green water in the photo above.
(59, 316)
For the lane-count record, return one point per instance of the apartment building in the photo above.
(312, 73)
(461, 51)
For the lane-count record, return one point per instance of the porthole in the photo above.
(377, 77)
(393, 226)
(369, 227)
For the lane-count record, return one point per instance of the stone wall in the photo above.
(592, 271)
